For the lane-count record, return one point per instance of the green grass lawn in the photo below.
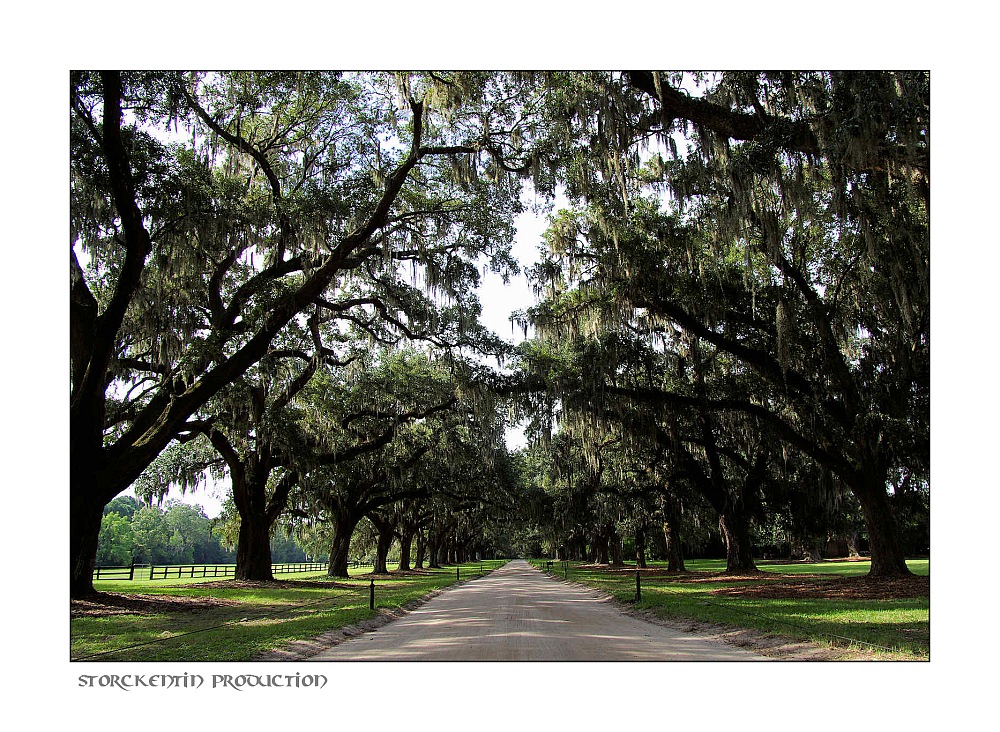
(256, 620)
(900, 625)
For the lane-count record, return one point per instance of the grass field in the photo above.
(224, 621)
(826, 602)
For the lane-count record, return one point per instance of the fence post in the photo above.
(638, 586)
(458, 573)
(151, 571)
(371, 596)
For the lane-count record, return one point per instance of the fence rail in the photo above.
(177, 571)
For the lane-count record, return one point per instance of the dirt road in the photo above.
(519, 614)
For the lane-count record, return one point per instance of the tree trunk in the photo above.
(852, 545)
(444, 552)
(86, 512)
(421, 548)
(253, 550)
(433, 541)
(816, 549)
(406, 539)
(340, 546)
(672, 539)
(601, 548)
(382, 547)
(888, 559)
(253, 547)
(615, 544)
(640, 546)
(736, 529)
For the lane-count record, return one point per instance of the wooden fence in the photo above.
(176, 571)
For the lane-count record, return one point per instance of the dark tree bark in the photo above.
(602, 546)
(640, 546)
(736, 530)
(444, 553)
(84, 531)
(253, 547)
(888, 559)
(405, 542)
(253, 550)
(386, 527)
(433, 549)
(382, 547)
(852, 544)
(671, 534)
(615, 545)
(340, 545)
(675, 557)
(421, 549)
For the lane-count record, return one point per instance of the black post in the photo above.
(131, 571)
(638, 586)
(458, 573)
(371, 596)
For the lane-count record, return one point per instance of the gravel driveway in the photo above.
(517, 613)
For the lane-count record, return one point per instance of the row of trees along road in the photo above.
(282, 201)
(741, 288)
(271, 278)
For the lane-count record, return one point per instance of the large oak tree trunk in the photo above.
(672, 535)
(253, 547)
(888, 559)
(615, 544)
(421, 549)
(433, 541)
(340, 545)
(675, 557)
(382, 546)
(406, 539)
(601, 548)
(852, 545)
(85, 517)
(253, 550)
(443, 551)
(736, 530)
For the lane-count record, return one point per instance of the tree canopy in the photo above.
(273, 277)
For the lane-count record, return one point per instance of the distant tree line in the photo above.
(176, 533)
